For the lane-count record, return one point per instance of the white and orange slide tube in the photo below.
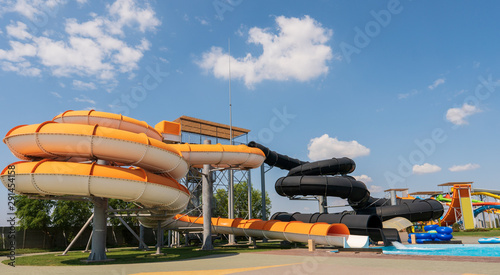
(294, 231)
(59, 160)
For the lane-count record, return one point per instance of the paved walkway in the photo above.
(292, 261)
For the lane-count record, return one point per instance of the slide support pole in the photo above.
(207, 194)
(98, 252)
(78, 235)
(230, 204)
(263, 191)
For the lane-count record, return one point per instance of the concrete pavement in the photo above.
(291, 261)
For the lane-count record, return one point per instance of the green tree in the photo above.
(240, 202)
(34, 214)
(120, 204)
(69, 214)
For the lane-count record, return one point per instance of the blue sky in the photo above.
(409, 90)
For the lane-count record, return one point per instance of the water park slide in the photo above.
(370, 225)
(447, 199)
(59, 158)
(328, 177)
(483, 208)
(489, 194)
(461, 204)
(322, 233)
(475, 190)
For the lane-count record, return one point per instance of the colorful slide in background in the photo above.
(461, 204)
(60, 160)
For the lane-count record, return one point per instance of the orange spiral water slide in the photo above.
(60, 160)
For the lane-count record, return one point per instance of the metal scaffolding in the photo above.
(196, 131)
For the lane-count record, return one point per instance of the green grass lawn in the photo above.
(130, 256)
(479, 233)
(28, 251)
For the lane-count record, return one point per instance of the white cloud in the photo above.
(426, 168)
(80, 85)
(436, 83)
(298, 51)
(84, 99)
(407, 95)
(127, 13)
(363, 178)
(23, 68)
(18, 52)
(96, 48)
(325, 147)
(457, 115)
(56, 94)
(32, 9)
(375, 189)
(19, 31)
(465, 167)
(372, 188)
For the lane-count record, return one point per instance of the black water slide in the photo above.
(329, 178)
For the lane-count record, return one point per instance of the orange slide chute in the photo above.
(59, 153)
(460, 207)
(294, 231)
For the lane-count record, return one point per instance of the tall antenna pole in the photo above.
(230, 201)
(230, 105)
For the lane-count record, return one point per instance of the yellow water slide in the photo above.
(460, 207)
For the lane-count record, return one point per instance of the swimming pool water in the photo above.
(475, 250)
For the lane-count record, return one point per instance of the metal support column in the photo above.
(251, 240)
(393, 197)
(88, 242)
(159, 238)
(98, 252)
(249, 185)
(78, 235)
(207, 196)
(230, 203)
(481, 198)
(322, 201)
(142, 245)
(263, 191)
(141, 238)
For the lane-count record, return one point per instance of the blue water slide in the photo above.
(477, 211)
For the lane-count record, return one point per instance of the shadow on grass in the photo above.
(122, 256)
(132, 256)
